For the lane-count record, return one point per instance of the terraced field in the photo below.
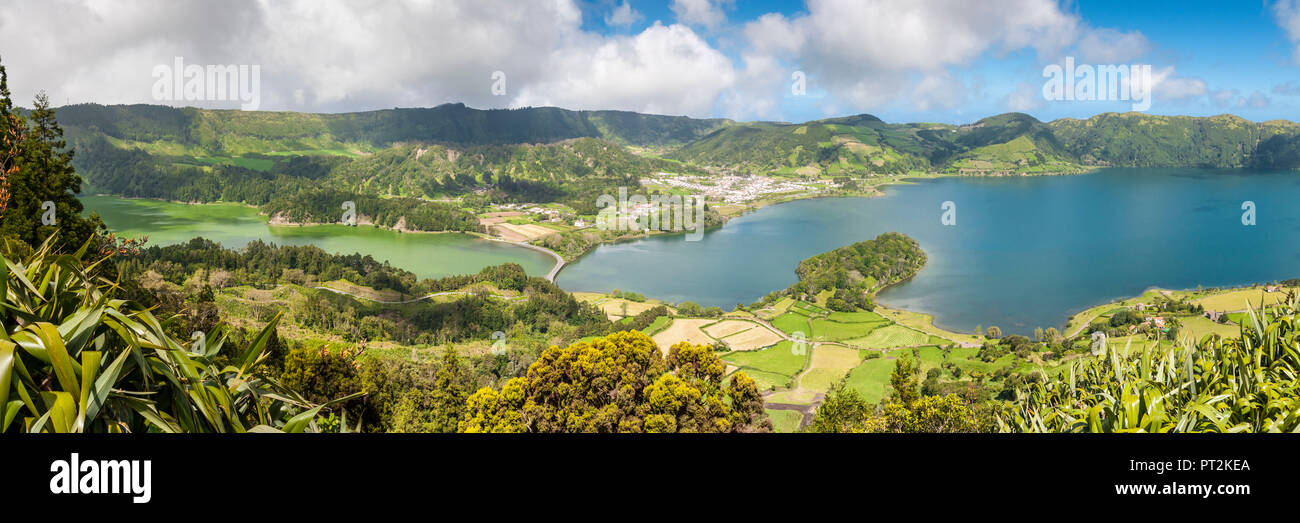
(829, 364)
(871, 378)
(827, 330)
(792, 322)
(891, 336)
(773, 367)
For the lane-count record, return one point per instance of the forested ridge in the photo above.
(855, 272)
(553, 155)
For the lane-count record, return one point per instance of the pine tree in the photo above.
(6, 103)
(44, 173)
(448, 395)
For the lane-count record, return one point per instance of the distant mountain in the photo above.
(230, 132)
(864, 144)
(1138, 139)
(547, 154)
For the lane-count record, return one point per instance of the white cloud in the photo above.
(872, 53)
(1223, 97)
(1167, 86)
(1287, 14)
(1290, 88)
(664, 70)
(706, 13)
(937, 91)
(1256, 100)
(759, 88)
(1108, 46)
(623, 15)
(341, 55)
(335, 55)
(1026, 97)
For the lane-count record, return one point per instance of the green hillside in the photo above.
(548, 154)
(864, 144)
(231, 132)
(533, 154)
(1138, 139)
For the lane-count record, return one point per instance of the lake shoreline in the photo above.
(1169, 227)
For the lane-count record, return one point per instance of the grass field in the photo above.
(796, 397)
(891, 336)
(1237, 300)
(726, 328)
(778, 359)
(1199, 326)
(527, 232)
(925, 323)
(780, 307)
(1218, 300)
(827, 330)
(808, 308)
(785, 421)
(792, 322)
(613, 307)
(752, 339)
(659, 325)
(683, 329)
(871, 378)
(829, 364)
(769, 380)
(855, 317)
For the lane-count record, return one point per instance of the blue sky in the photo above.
(1231, 46)
(949, 61)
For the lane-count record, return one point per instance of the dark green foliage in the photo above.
(264, 264)
(414, 396)
(1136, 139)
(326, 206)
(44, 173)
(862, 144)
(858, 270)
(448, 123)
(642, 320)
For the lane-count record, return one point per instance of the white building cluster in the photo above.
(732, 189)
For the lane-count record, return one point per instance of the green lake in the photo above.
(1024, 252)
(427, 255)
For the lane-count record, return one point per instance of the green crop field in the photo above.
(871, 378)
(792, 322)
(826, 330)
(768, 380)
(785, 421)
(855, 317)
(778, 359)
(808, 308)
(829, 364)
(659, 324)
(891, 336)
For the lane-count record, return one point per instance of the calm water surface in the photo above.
(427, 255)
(1025, 252)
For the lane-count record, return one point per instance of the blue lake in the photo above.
(1025, 251)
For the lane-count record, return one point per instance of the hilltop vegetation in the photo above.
(1137, 139)
(853, 273)
(234, 133)
(863, 144)
(284, 160)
